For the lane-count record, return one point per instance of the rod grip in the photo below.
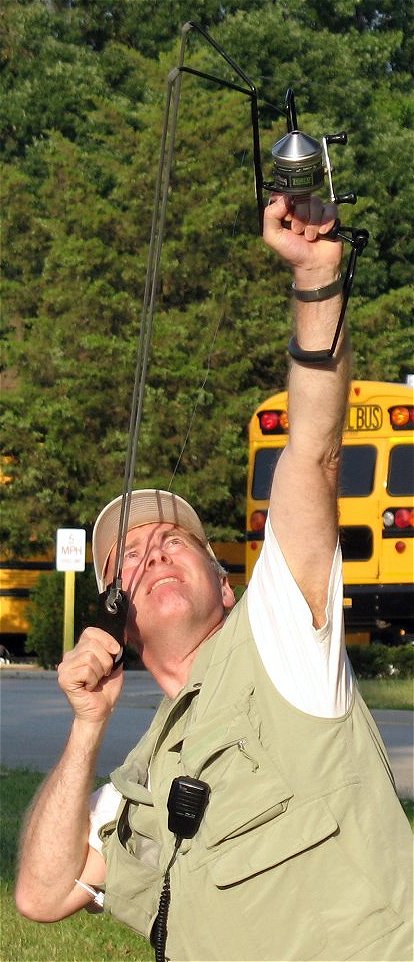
(113, 619)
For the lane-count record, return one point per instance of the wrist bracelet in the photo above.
(319, 293)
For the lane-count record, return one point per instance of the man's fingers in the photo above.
(301, 214)
(86, 671)
(90, 660)
(294, 225)
(311, 217)
(280, 207)
(307, 217)
(329, 216)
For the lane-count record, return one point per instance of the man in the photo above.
(303, 849)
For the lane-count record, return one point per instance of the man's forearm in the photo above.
(54, 844)
(318, 393)
(303, 501)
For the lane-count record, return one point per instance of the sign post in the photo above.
(70, 557)
(69, 612)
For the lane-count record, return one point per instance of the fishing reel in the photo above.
(301, 162)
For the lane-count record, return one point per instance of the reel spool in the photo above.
(298, 165)
(301, 162)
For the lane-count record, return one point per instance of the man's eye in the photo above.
(175, 541)
(131, 555)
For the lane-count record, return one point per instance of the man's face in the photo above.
(170, 582)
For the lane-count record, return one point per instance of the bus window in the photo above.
(357, 470)
(356, 542)
(400, 482)
(264, 465)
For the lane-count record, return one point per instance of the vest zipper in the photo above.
(242, 747)
(239, 743)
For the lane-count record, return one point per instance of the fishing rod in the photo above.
(300, 165)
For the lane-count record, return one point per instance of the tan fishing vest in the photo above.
(304, 851)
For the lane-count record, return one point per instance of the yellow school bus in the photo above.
(17, 578)
(376, 507)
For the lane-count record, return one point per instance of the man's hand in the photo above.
(86, 676)
(303, 246)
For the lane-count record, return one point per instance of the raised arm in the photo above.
(303, 502)
(54, 845)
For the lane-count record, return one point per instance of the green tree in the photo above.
(45, 614)
(83, 92)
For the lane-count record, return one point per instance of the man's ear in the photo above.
(227, 593)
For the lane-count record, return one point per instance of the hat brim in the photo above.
(147, 506)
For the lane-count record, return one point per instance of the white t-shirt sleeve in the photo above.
(103, 808)
(307, 665)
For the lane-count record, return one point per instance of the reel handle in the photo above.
(349, 198)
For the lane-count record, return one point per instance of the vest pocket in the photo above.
(306, 853)
(133, 881)
(247, 789)
(277, 841)
(257, 801)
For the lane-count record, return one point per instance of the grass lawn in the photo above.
(387, 692)
(81, 938)
(85, 938)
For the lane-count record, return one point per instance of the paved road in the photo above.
(35, 720)
(397, 730)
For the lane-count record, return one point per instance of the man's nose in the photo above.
(157, 554)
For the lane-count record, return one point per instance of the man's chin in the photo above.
(164, 610)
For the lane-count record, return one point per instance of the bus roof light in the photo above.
(269, 420)
(401, 416)
(273, 422)
(400, 518)
(283, 420)
(388, 518)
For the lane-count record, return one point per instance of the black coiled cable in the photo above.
(159, 929)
